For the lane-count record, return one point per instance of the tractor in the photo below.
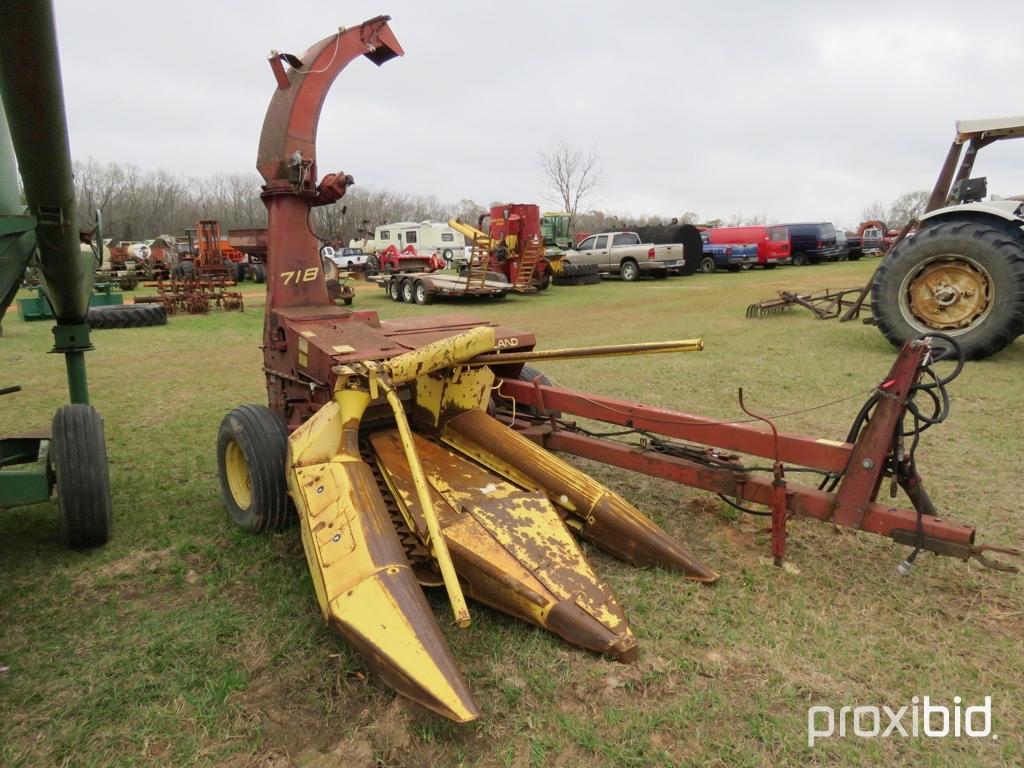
(959, 268)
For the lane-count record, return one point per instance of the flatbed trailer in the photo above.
(425, 287)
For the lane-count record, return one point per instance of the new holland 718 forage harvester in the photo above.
(385, 438)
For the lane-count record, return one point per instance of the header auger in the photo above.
(385, 439)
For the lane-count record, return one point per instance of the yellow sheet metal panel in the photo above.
(605, 518)
(366, 589)
(443, 353)
(510, 547)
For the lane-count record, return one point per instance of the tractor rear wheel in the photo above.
(251, 448)
(79, 455)
(964, 278)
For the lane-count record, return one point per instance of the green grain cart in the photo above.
(34, 141)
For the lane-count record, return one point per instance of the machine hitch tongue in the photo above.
(778, 492)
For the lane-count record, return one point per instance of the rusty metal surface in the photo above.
(881, 519)
(510, 546)
(598, 514)
(826, 304)
(806, 451)
(575, 353)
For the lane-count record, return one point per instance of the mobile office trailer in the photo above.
(424, 236)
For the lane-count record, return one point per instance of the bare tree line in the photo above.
(138, 204)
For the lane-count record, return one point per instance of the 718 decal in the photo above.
(300, 276)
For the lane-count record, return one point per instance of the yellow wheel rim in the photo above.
(237, 472)
(949, 293)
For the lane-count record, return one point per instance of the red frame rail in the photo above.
(864, 464)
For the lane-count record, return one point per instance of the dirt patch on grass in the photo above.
(143, 561)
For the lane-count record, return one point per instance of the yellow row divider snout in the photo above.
(383, 376)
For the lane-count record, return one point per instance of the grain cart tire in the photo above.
(707, 265)
(126, 316)
(395, 289)
(964, 278)
(422, 293)
(79, 455)
(251, 447)
(630, 271)
(407, 293)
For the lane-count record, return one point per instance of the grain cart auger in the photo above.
(34, 141)
(382, 438)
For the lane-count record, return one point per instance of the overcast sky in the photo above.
(795, 110)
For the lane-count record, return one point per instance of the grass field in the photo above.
(187, 642)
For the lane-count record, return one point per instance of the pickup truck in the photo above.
(867, 241)
(732, 257)
(622, 253)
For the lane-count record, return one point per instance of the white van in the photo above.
(425, 236)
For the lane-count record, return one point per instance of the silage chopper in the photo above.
(418, 452)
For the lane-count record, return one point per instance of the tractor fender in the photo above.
(1007, 210)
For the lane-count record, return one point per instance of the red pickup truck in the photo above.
(773, 247)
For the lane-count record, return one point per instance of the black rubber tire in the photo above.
(542, 281)
(997, 248)
(529, 374)
(770, 265)
(79, 455)
(446, 254)
(126, 316)
(395, 289)
(422, 293)
(798, 259)
(407, 292)
(261, 437)
(707, 264)
(372, 266)
(854, 257)
(578, 270)
(629, 270)
(585, 280)
(240, 272)
(259, 273)
(127, 283)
